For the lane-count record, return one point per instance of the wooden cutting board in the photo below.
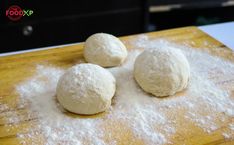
(16, 68)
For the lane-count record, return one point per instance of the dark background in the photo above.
(62, 22)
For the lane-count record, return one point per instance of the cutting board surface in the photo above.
(16, 68)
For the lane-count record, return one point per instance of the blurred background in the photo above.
(63, 22)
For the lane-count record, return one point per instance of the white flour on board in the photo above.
(152, 120)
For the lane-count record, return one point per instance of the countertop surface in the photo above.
(223, 32)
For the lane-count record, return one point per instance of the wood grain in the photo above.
(17, 68)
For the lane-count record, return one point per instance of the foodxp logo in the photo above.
(15, 13)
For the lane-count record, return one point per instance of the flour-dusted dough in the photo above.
(162, 71)
(105, 50)
(86, 89)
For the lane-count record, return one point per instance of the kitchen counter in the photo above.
(223, 32)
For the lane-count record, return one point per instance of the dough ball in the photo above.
(105, 50)
(86, 89)
(162, 71)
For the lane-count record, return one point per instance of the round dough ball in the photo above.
(105, 50)
(86, 89)
(162, 71)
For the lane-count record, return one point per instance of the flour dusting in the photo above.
(205, 103)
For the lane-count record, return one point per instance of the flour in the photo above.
(204, 90)
(152, 120)
(3, 107)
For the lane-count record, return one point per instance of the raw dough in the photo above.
(162, 71)
(86, 89)
(105, 50)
